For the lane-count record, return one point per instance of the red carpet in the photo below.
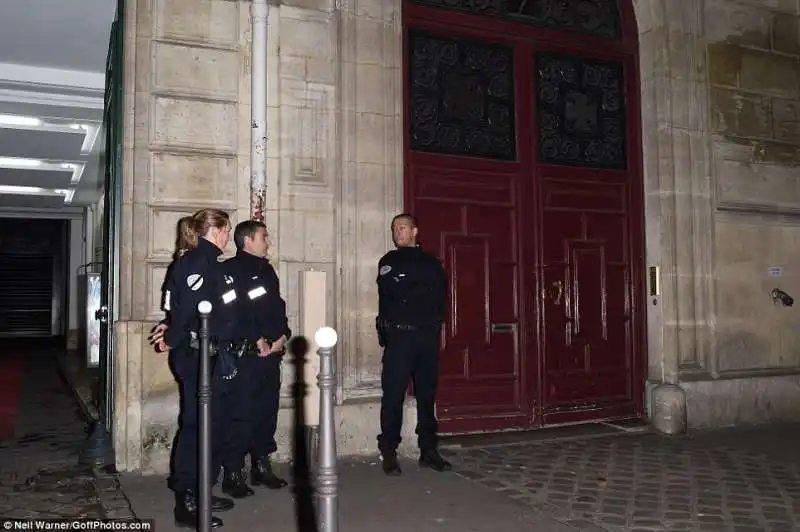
(11, 369)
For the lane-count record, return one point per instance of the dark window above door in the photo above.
(598, 18)
(460, 96)
(581, 111)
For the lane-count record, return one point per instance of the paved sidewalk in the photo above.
(730, 480)
(419, 501)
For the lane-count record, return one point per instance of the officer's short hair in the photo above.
(405, 216)
(246, 229)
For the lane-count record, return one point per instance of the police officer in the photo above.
(263, 327)
(196, 275)
(411, 302)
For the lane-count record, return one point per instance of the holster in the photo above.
(225, 366)
(380, 326)
(194, 343)
(239, 349)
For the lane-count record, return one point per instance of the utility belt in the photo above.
(225, 354)
(241, 348)
(402, 326)
(388, 325)
(237, 349)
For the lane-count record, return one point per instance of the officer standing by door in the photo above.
(263, 327)
(411, 301)
(196, 276)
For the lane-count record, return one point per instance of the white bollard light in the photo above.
(327, 478)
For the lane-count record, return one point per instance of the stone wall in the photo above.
(754, 71)
(719, 87)
(753, 54)
(331, 140)
(302, 157)
(186, 146)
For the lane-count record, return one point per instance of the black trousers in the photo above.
(251, 407)
(409, 356)
(185, 364)
(266, 396)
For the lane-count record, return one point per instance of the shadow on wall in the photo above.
(301, 471)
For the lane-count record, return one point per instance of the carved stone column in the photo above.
(679, 207)
(371, 178)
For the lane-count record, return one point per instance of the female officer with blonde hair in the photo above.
(197, 275)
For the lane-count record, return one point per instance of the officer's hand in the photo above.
(263, 348)
(380, 327)
(162, 347)
(157, 332)
(277, 347)
(156, 337)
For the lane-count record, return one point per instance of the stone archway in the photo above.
(676, 160)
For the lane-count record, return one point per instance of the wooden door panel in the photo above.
(586, 297)
(474, 351)
(498, 221)
(472, 229)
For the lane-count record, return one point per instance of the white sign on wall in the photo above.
(775, 271)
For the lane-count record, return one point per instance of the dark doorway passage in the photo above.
(33, 277)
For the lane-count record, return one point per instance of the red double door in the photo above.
(522, 165)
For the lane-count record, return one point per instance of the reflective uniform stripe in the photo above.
(228, 296)
(256, 292)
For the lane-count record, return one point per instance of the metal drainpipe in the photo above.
(258, 147)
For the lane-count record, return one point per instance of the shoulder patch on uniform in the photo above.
(194, 281)
(385, 269)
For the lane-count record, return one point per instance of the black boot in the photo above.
(220, 504)
(186, 511)
(391, 466)
(261, 474)
(431, 458)
(235, 485)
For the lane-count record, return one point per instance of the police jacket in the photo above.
(411, 288)
(198, 276)
(262, 310)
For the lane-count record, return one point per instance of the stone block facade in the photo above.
(720, 84)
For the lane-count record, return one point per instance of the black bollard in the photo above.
(204, 405)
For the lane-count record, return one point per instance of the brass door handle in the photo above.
(555, 292)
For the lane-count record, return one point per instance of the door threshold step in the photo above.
(629, 425)
(543, 435)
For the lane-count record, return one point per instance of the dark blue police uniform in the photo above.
(195, 277)
(255, 403)
(412, 292)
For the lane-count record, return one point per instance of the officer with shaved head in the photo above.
(411, 301)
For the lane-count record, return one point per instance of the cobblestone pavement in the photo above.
(39, 471)
(728, 480)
